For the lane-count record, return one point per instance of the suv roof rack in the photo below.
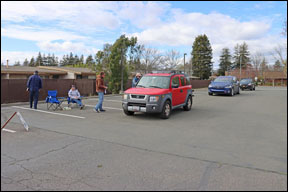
(171, 72)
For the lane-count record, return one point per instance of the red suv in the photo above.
(159, 93)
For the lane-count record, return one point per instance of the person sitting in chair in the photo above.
(75, 96)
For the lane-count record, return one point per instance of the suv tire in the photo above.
(188, 105)
(166, 111)
(129, 113)
(210, 93)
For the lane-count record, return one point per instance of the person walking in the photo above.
(34, 85)
(75, 96)
(136, 79)
(100, 89)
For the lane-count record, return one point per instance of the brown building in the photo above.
(266, 77)
(45, 72)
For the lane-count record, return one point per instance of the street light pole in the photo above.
(240, 66)
(184, 61)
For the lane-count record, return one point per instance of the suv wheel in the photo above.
(129, 113)
(210, 93)
(166, 111)
(232, 92)
(188, 105)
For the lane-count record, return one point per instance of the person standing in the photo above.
(136, 79)
(34, 85)
(100, 89)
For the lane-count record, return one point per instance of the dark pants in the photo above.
(78, 101)
(34, 96)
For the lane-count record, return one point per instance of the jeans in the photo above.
(78, 101)
(100, 101)
(33, 95)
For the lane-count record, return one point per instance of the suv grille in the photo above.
(137, 104)
(137, 96)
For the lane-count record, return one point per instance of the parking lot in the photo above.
(223, 143)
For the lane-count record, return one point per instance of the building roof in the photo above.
(76, 70)
(29, 70)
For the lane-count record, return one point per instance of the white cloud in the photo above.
(38, 34)
(66, 47)
(14, 56)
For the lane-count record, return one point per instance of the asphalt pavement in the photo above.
(223, 143)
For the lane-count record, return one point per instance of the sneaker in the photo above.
(102, 110)
(82, 106)
(96, 110)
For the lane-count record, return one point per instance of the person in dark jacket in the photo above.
(34, 85)
(136, 79)
(100, 89)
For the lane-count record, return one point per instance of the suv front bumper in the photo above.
(142, 107)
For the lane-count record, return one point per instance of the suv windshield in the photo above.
(154, 82)
(246, 81)
(223, 79)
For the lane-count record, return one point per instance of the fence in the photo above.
(14, 90)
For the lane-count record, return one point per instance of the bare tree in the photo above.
(172, 60)
(151, 58)
(281, 55)
(256, 61)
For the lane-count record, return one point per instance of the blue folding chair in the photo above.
(69, 100)
(53, 101)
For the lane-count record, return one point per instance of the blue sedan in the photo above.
(224, 85)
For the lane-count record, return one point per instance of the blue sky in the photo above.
(83, 27)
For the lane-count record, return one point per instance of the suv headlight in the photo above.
(125, 96)
(153, 98)
(249, 84)
(210, 86)
(229, 86)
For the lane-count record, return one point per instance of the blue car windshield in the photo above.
(246, 81)
(223, 79)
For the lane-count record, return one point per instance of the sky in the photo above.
(80, 27)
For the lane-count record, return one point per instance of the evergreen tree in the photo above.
(17, 63)
(32, 62)
(201, 57)
(225, 61)
(277, 66)
(99, 60)
(39, 60)
(241, 54)
(90, 62)
(26, 62)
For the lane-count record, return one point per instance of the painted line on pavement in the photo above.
(105, 107)
(8, 130)
(37, 110)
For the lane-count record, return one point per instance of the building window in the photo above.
(55, 77)
(78, 76)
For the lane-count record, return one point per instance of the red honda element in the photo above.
(159, 93)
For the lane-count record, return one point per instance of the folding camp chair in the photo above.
(69, 100)
(53, 101)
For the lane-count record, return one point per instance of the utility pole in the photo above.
(240, 67)
(184, 61)
(122, 69)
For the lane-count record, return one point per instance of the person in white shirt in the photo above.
(75, 96)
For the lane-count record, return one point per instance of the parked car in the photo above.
(247, 84)
(159, 93)
(224, 85)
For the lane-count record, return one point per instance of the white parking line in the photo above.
(108, 100)
(49, 112)
(106, 107)
(8, 130)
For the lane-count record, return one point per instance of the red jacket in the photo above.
(100, 84)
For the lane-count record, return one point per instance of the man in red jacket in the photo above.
(100, 89)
